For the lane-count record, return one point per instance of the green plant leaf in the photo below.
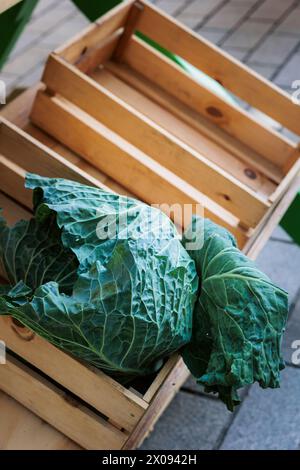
(239, 318)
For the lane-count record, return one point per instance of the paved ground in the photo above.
(265, 34)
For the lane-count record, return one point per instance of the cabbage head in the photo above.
(102, 276)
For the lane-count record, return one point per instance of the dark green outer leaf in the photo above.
(239, 318)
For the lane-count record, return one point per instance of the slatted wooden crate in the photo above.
(122, 116)
(107, 88)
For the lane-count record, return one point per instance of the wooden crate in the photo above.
(117, 114)
(108, 89)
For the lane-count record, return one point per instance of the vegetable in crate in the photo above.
(107, 279)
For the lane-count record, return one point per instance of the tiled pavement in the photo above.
(265, 34)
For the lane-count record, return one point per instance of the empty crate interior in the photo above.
(138, 116)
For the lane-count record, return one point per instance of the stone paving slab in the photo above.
(268, 419)
(271, 11)
(266, 71)
(229, 15)
(191, 423)
(64, 32)
(275, 49)
(281, 261)
(171, 6)
(248, 34)
(290, 72)
(292, 23)
(212, 34)
(24, 63)
(292, 334)
(196, 12)
(280, 234)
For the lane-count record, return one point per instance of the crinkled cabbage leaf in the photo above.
(239, 317)
(121, 302)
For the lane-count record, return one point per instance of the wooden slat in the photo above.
(156, 142)
(94, 58)
(12, 180)
(51, 404)
(232, 118)
(192, 129)
(22, 430)
(161, 377)
(132, 168)
(213, 134)
(100, 391)
(91, 38)
(233, 75)
(28, 153)
(174, 380)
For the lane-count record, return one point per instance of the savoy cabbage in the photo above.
(107, 279)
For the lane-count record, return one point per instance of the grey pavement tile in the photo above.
(171, 6)
(238, 53)
(290, 72)
(248, 34)
(49, 20)
(190, 21)
(191, 422)
(23, 63)
(228, 15)
(25, 42)
(65, 31)
(292, 333)
(275, 49)
(280, 234)
(268, 419)
(272, 9)
(31, 78)
(211, 35)
(266, 71)
(68, 7)
(249, 2)
(196, 11)
(281, 261)
(291, 23)
(44, 5)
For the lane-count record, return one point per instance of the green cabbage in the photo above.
(121, 303)
(107, 279)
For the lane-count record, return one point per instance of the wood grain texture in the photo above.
(51, 404)
(129, 166)
(20, 429)
(231, 73)
(230, 117)
(158, 143)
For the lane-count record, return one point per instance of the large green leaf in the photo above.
(134, 292)
(239, 317)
